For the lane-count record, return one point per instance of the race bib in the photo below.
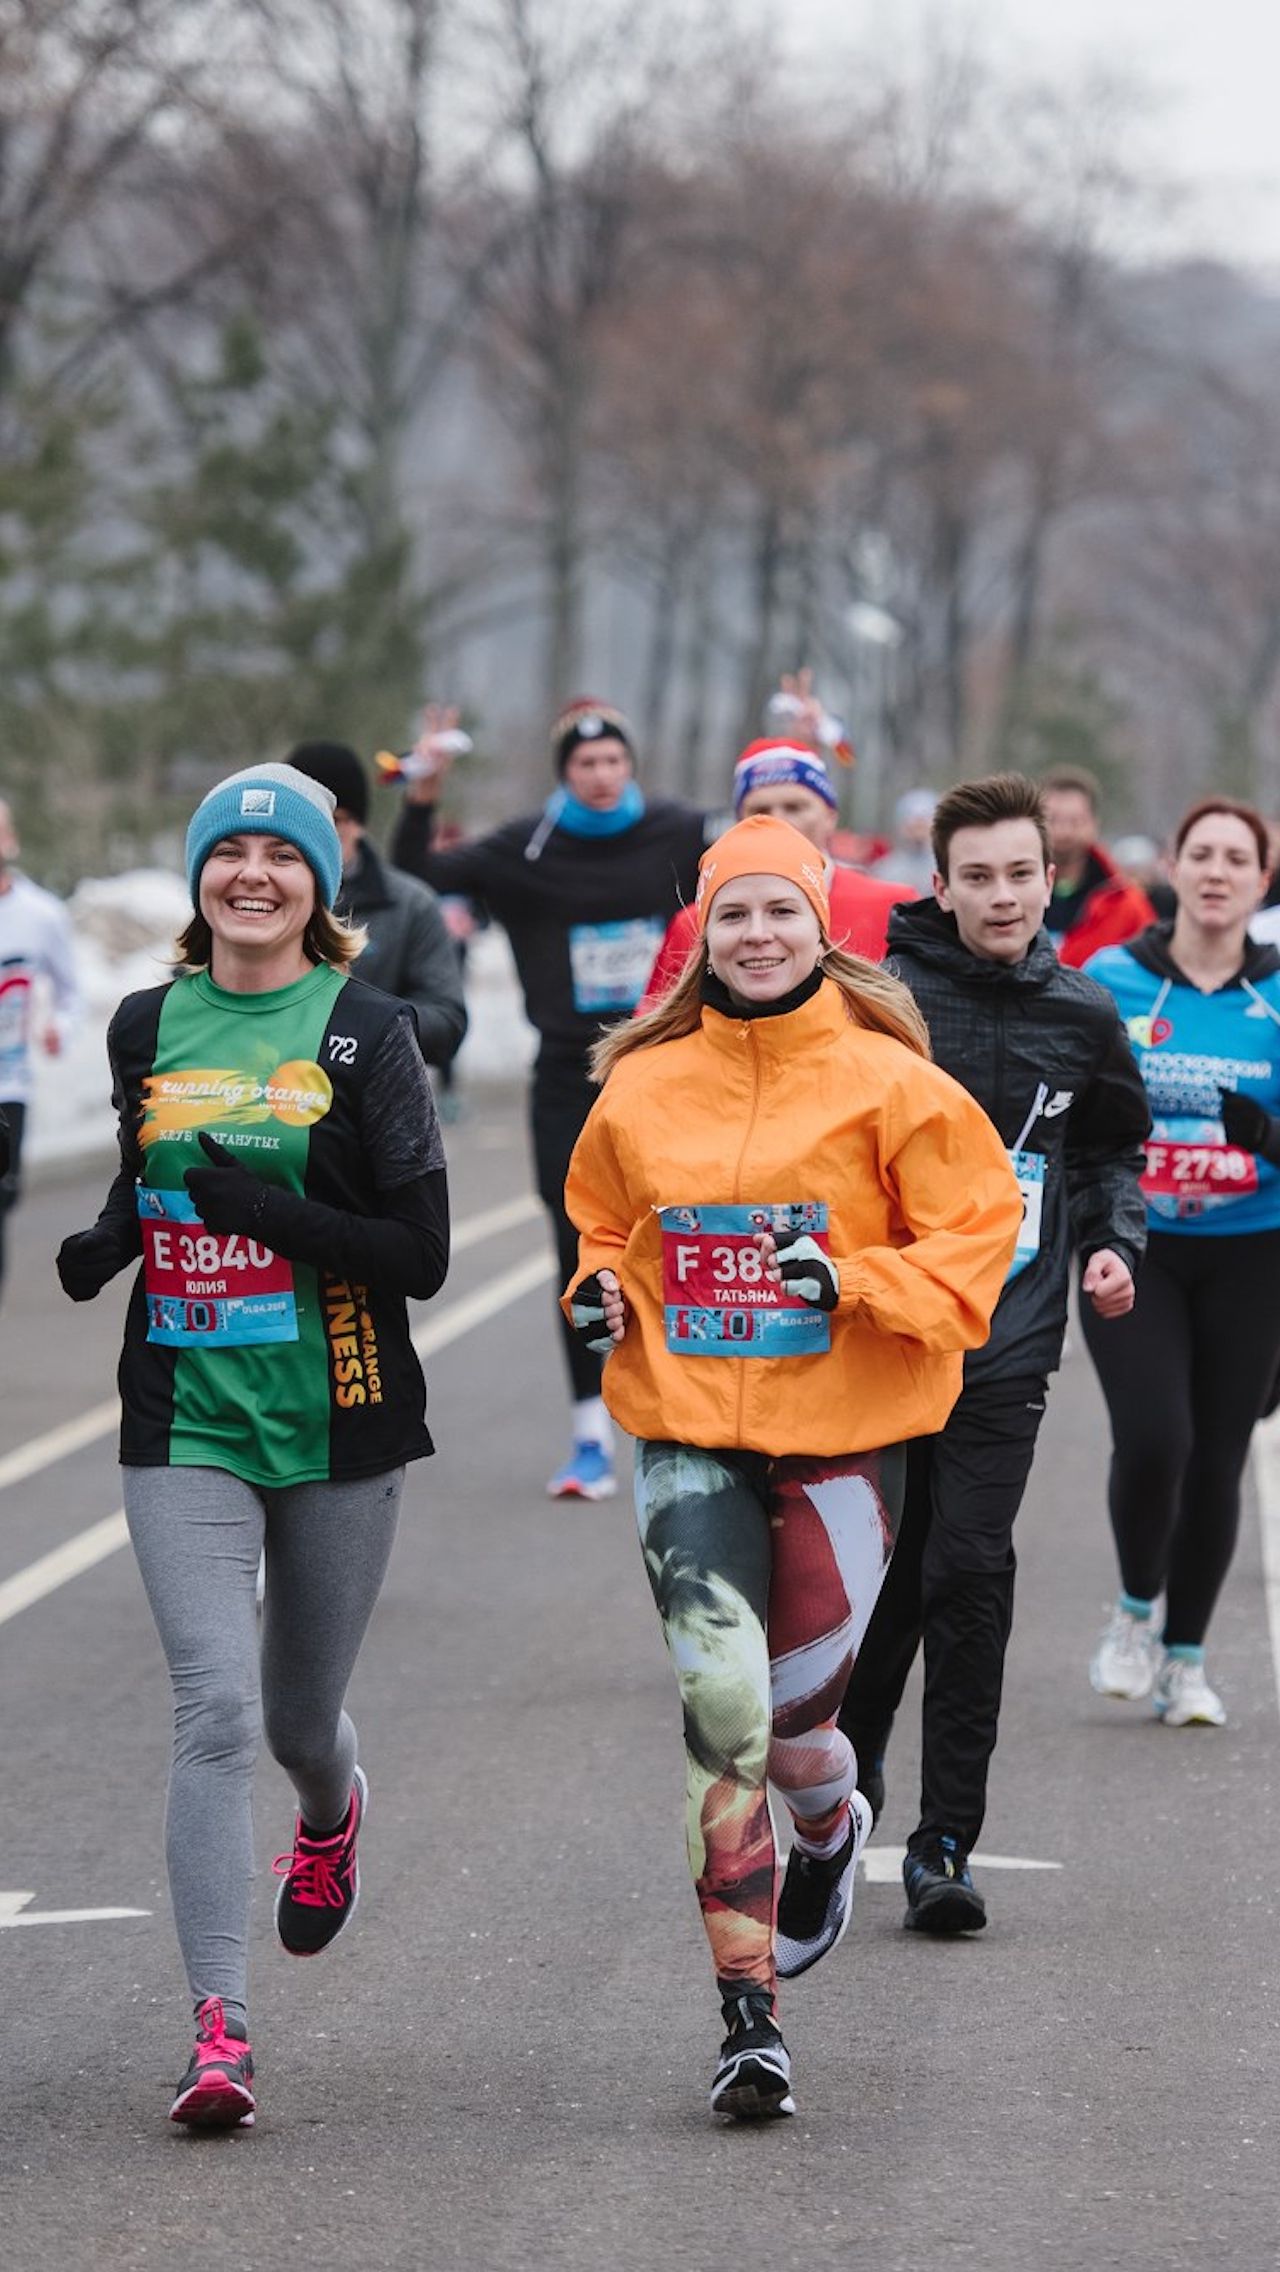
(15, 1019)
(210, 1289)
(1192, 1170)
(716, 1299)
(610, 962)
(1029, 1170)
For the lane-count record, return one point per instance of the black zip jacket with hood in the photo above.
(1042, 1050)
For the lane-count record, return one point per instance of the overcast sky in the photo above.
(1216, 61)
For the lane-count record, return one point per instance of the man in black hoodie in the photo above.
(1042, 1049)
(585, 890)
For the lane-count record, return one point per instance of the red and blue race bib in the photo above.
(717, 1301)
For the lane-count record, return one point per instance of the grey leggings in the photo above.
(197, 1533)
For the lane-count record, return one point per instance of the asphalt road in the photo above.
(505, 2063)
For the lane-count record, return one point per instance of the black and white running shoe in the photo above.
(817, 1897)
(753, 2079)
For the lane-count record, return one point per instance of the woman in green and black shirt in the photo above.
(283, 1180)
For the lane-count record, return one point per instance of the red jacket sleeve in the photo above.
(672, 955)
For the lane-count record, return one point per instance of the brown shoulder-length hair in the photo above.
(1237, 810)
(327, 938)
(871, 997)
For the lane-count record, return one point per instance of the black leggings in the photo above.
(1185, 1377)
(11, 1183)
(560, 1099)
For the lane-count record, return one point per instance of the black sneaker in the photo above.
(321, 1880)
(817, 1897)
(753, 2079)
(941, 1895)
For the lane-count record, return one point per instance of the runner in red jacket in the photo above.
(789, 780)
(1093, 905)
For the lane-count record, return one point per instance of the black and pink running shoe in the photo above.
(321, 1880)
(216, 2093)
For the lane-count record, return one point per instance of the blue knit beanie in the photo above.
(269, 800)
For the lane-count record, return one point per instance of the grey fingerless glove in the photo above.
(586, 1314)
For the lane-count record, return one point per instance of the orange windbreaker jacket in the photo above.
(924, 1212)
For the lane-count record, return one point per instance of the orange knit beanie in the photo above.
(763, 846)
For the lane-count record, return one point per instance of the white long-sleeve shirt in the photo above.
(36, 950)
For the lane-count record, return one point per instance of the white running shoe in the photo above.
(1124, 1662)
(1183, 1697)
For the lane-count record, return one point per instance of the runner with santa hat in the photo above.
(786, 776)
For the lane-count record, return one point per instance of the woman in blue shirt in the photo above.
(1186, 1375)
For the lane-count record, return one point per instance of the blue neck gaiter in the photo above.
(577, 819)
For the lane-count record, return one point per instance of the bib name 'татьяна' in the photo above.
(717, 1300)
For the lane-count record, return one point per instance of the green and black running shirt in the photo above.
(234, 1357)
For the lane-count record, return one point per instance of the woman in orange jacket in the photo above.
(792, 1226)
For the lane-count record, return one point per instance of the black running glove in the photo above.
(1249, 1125)
(227, 1196)
(89, 1260)
(809, 1273)
(400, 1252)
(586, 1312)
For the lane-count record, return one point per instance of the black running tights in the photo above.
(560, 1099)
(1185, 1377)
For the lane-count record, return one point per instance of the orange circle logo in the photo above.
(298, 1093)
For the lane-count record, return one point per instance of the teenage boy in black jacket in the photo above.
(1042, 1049)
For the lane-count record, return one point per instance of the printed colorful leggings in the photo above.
(765, 1573)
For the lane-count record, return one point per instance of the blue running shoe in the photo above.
(588, 1475)
(941, 1895)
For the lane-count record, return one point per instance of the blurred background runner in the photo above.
(585, 888)
(39, 999)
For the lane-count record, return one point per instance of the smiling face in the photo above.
(596, 773)
(257, 895)
(1217, 874)
(997, 887)
(790, 800)
(763, 937)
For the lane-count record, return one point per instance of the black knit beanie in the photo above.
(586, 720)
(337, 769)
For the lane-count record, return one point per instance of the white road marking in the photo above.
(95, 1544)
(59, 1443)
(1266, 1470)
(487, 1225)
(64, 1563)
(88, 1427)
(459, 1317)
(14, 1911)
(882, 1865)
